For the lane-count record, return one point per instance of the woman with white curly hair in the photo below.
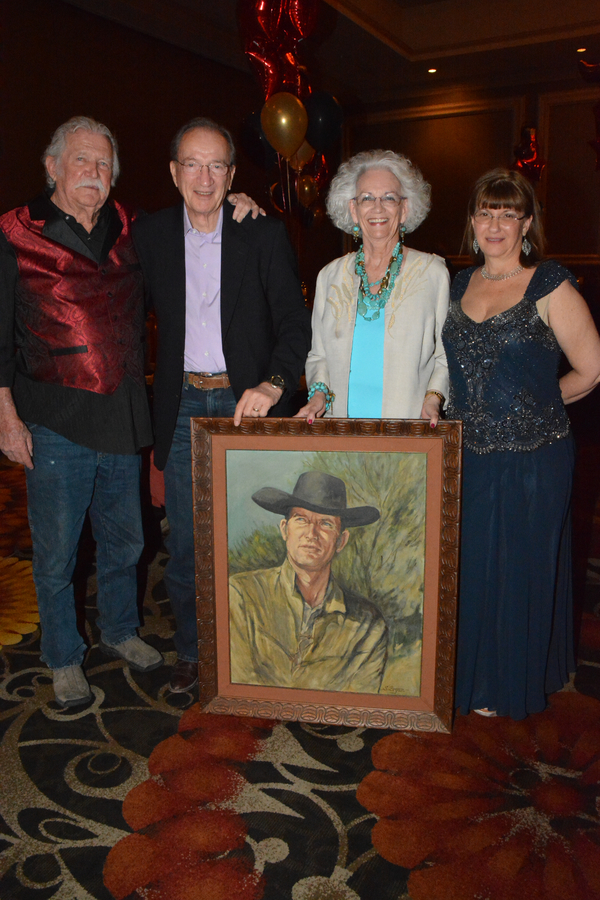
(378, 312)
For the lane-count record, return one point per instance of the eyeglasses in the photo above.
(388, 201)
(484, 217)
(216, 169)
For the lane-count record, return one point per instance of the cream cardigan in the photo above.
(413, 356)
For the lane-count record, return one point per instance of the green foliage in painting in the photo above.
(263, 549)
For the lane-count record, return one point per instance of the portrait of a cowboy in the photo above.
(293, 625)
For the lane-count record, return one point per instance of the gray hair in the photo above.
(58, 144)
(343, 187)
(208, 125)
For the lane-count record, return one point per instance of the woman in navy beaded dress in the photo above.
(509, 319)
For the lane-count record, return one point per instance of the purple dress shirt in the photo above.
(203, 343)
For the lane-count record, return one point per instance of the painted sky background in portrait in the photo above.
(247, 472)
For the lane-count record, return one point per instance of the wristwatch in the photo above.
(277, 381)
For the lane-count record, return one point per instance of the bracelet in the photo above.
(329, 395)
(437, 394)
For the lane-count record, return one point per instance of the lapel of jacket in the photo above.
(172, 255)
(234, 250)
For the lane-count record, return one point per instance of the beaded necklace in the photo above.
(369, 304)
(490, 277)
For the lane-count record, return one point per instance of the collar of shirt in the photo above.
(101, 220)
(94, 239)
(212, 237)
(334, 596)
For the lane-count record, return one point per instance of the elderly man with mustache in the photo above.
(73, 406)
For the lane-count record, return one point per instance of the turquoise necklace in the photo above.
(369, 304)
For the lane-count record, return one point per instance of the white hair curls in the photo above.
(343, 187)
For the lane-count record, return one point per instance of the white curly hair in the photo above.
(343, 187)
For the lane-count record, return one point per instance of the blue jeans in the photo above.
(179, 572)
(68, 480)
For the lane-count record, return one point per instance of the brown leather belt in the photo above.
(205, 381)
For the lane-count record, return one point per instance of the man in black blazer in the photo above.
(233, 335)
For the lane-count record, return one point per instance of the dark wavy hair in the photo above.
(505, 189)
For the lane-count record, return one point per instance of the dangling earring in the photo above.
(475, 245)
(356, 232)
(526, 246)
(402, 233)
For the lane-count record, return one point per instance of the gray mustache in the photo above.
(93, 183)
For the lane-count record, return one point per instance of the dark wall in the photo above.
(58, 61)
(454, 140)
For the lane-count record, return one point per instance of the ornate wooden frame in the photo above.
(433, 709)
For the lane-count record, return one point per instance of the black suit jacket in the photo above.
(265, 325)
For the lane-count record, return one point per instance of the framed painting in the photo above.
(326, 569)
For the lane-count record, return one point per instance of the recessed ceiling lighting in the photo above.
(581, 49)
(432, 70)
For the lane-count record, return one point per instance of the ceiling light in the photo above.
(432, 70)
(581, 49)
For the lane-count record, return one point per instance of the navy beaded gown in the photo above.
(515, 635)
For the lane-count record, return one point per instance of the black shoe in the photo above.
(185, 677)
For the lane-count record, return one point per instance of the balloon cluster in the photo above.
(296, 124)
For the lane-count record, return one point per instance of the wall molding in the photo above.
(454, 108)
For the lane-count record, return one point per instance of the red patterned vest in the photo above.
(78, 323)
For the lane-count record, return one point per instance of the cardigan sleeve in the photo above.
(439, 380)
(316, 364)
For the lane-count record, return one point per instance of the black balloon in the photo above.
(255, 143)
(325, 117)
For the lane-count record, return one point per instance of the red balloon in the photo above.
(303, 15)
(295, 76)
(276, 197)
(589, 71)
(265, 66)
(266, 14)
(529, 161)
(320, 170)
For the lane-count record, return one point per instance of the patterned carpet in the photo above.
(138, 796)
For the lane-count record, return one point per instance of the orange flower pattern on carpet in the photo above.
(173, 853)
(15, 536)
(500, 810)
(18, 605)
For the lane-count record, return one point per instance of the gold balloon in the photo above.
(302, 156)
(307, 190)
(284, 121)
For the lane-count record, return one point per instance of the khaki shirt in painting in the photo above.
(276, 640)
